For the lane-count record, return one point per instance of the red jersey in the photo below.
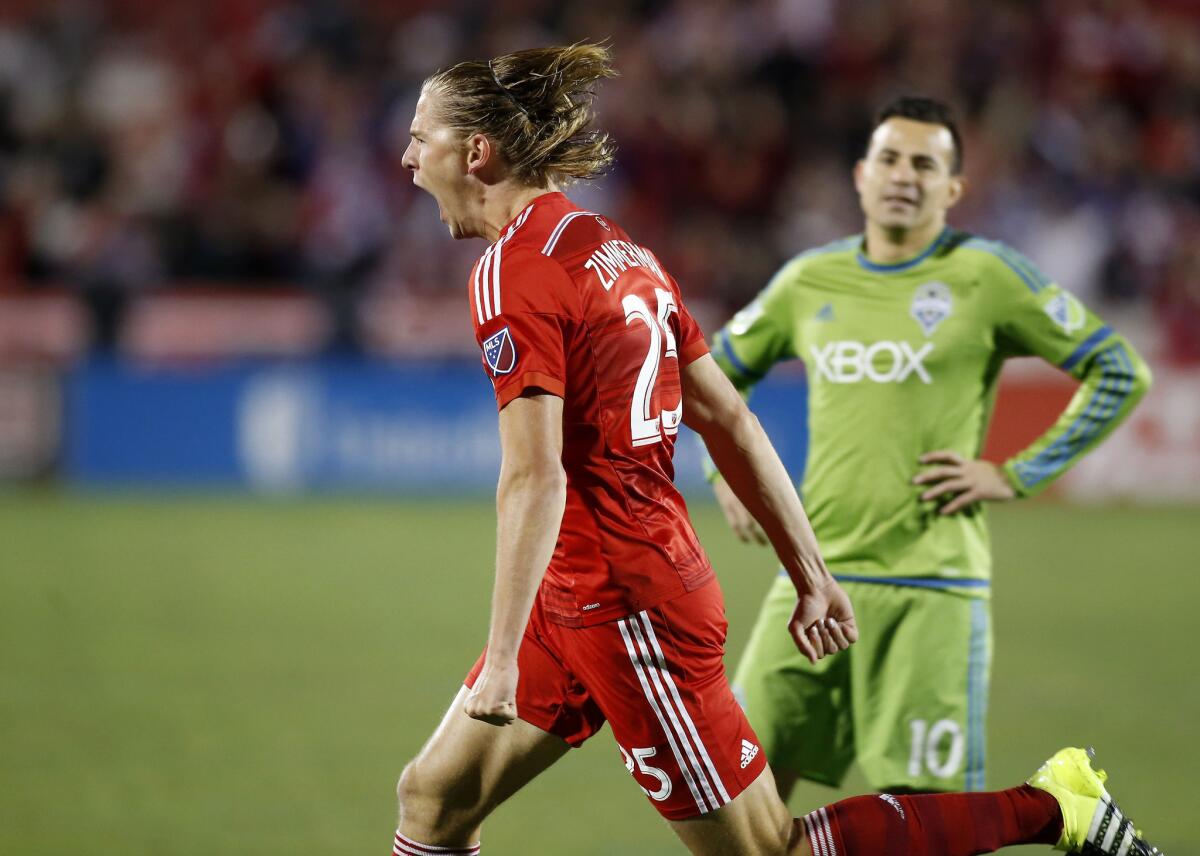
(564, 301)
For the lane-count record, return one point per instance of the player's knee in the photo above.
(432, 800)
(417, 791)
(405, 784)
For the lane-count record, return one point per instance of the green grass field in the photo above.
(231, 676)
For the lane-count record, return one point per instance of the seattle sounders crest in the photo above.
(1065, 311)
(931, 305)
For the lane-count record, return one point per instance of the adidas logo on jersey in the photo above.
(881, 362)
(749, 753)
(825, 313)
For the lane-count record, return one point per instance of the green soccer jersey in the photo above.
(903, 359)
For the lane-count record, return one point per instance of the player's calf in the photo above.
(465, 770)
(929, 824)
(1064, 804)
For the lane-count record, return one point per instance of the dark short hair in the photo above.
(922, 109)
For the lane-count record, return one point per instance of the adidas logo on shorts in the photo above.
(749, 753)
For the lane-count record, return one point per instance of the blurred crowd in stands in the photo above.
(256, 145)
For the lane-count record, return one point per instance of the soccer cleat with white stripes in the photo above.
(1093, 825)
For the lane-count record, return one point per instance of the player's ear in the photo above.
(480, 153)
(859, 166)
(957, 189)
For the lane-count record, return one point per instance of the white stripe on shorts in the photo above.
(627, 633)
(655, 667)
(687, 719)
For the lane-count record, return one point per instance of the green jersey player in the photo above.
(903, 331)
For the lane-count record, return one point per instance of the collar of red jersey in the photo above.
(551, 197)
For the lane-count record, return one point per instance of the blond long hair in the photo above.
(536, 105)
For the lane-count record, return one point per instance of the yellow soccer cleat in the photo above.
(1092, 823)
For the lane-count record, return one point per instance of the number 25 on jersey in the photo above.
(647, 428)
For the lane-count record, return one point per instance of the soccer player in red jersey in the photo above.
(605, 607)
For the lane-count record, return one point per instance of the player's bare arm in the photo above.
(740, 520)
(823, 622)
(966, 481)
(530, 499)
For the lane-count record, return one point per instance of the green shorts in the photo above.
(907, 701)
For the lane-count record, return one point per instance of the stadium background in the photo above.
(245, 537)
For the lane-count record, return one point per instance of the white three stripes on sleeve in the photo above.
(496, 277)
(487, 274)
(482, 311)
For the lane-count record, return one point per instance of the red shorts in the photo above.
(659, 677)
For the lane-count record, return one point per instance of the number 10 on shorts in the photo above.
(638, 760)
(927, 748)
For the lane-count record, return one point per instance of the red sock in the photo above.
(407, 847)
(934, 824)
